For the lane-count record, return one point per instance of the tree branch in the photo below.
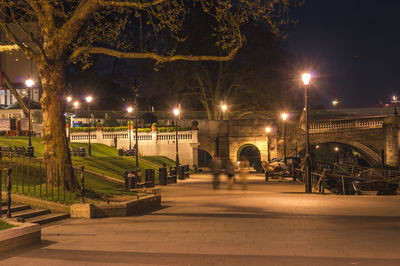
(129, 4)
(159, 58)
(15, 40)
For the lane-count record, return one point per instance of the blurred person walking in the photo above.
(215, 167)
(243, 171)
(230, 172)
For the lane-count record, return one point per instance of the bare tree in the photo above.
(54, 33)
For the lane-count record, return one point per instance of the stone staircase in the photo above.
(39, 216)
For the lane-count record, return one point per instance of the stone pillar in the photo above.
(391, 141)
(99, 135)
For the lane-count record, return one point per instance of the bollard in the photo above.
(181, 172)
(82, 184)
(9, 194)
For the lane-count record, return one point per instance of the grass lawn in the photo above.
(104, 160)
(4, 225)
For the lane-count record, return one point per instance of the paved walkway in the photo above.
(268, 224)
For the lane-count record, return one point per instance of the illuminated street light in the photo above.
(268, 130)
(335, 102)
(176, 113)
(337, 154)
(224, 108)
(395, 101)
(89, 100)
(284, 117)
(129, 109)
(69, 99)
(29, 83)
(306, 77)
(76, 104)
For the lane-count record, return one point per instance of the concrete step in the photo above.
(48, 218)
(30, 213)
(15, 208)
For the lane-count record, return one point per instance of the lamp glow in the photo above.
(89, 99)
(130, 109)
(176, 111)
(336, 149)
(284, 116)
(306, 77)
(224, 107)
(335, 102)
(76, 104)
(268, 129)
(29, 83)
(69, 99)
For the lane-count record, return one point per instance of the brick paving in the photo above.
(268, 224)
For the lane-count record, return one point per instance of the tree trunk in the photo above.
(56, 152)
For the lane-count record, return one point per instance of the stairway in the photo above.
(39, 216)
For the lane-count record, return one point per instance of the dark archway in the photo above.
(252, 154)
(340, 153)
(204, 158)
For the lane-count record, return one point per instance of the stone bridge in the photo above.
(376, 138)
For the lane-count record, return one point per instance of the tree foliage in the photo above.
(54, 33)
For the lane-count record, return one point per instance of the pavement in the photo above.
(272, 223)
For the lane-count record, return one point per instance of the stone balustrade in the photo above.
(150, 143)
(347, 124)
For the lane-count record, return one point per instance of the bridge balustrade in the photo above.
(345, 124)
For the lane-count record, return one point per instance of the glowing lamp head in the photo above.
(268, 129)
(317, 147)
(69, 99)
(176, 111)
(29, 83)
(336, 149)
(76, 104)
(394, 98)
(89, 99)
(335, 102)
(284, 116)
(224, 107)
(306, 77)
(130, 109)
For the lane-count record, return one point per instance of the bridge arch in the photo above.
(251, 152)
(372, 157)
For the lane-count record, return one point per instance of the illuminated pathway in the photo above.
(269, 224)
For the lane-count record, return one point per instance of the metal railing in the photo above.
(45, 180)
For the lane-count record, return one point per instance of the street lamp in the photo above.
(337, 154)
(395, 101)
(335, 102)
(284, 117)
(29, 83)
(69, 99)
(176, 113)
(306, 77)
(268, 130)
(224, 108)
(89, 100)
(130, 109)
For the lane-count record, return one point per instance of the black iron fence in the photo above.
(46, 180)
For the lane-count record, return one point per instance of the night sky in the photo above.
(352, 46)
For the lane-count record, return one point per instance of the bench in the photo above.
(5, 151)
(19, 151)
(81, 152)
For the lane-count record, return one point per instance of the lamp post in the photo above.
(29, 83)
(224, 108)
(284, 117)
(306, 77)
(335, 102)
(129, 128)
(136, 93)
(337, 154)
(69, 99)
(176, 113)
(268, 130)
(89, 100)
(395, 101)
